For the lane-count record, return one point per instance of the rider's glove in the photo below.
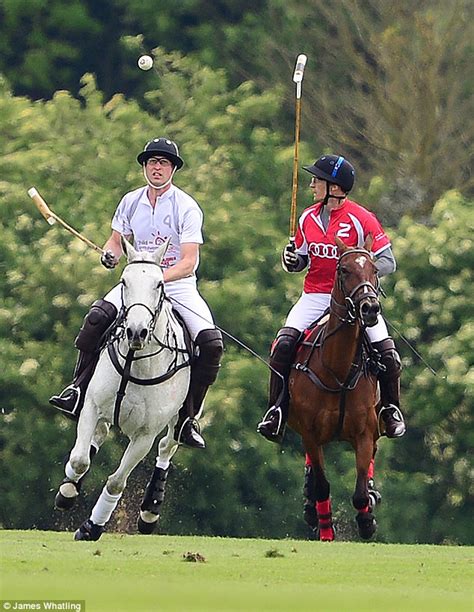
(289, 257)
(291, 261)
(107, 259)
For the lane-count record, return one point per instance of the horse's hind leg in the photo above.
(320, 492)
(93, 528)
(155, 489)
(309, 491)
(361, 500)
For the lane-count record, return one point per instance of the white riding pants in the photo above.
(311, 306)
(185, 298)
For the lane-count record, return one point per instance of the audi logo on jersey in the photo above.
(326, 251)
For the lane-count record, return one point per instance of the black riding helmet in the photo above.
(161, 146)
(334, 169)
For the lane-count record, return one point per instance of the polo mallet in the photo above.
(298, 79)
(52, 218)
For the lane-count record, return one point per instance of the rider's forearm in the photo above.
(182, 269)
(385, 262)
(114, 245)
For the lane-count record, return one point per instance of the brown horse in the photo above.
(333, 387)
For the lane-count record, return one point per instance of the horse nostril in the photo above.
(143, 334)
(129, 333)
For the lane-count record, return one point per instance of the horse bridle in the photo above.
(350, 303)
(154, 314)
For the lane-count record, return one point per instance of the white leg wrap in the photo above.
(104, 507)
(163, 463)
(71, 474)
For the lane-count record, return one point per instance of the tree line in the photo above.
(80, 154)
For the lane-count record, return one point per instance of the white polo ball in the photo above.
(145, 62)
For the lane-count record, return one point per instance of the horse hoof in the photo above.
(366, 524)
(89, 531)
(67, 495)
(147, 527)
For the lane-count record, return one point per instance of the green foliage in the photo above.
(388, 84)
(80, 154)
(431, 303)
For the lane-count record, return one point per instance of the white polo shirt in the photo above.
(176, 215)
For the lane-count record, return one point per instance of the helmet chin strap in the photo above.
(328, 195)
(165, 184)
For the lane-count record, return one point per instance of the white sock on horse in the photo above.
(71, 473)
(163, 463)
(104, 507)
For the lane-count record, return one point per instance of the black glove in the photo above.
(289, 257)
(107, 259)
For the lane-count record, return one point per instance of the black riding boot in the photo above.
(389, 380)
(71, 399)
(273, 425)
(89, 342)
(204, 370)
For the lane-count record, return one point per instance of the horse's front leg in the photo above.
(365, 450)
(375, 497)
(155, 489)
(136, 450)
(79, 458)
(317, 494)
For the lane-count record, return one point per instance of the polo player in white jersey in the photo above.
(151, 215)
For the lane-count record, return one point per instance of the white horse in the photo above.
(140, 383)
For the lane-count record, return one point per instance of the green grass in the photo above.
(147, 573)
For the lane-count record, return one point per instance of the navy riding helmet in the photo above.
(334, 169)
(161, 146)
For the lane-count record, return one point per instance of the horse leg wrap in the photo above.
(104, 507)
(309, 508)
(155, 491)
(326, 530)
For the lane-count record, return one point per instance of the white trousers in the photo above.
(311, 306)
(185, 298)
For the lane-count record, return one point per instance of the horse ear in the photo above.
(340, 245)
(128, 249)
(161, 251)
(369, 241)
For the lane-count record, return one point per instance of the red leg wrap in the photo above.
(370, 473)
(326, 532)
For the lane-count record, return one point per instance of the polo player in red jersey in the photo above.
(331, 215)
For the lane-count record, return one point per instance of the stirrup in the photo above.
(197, 430)
(58, 402)
(397, 415)
(275, 435)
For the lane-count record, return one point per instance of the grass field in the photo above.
(148, 573)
